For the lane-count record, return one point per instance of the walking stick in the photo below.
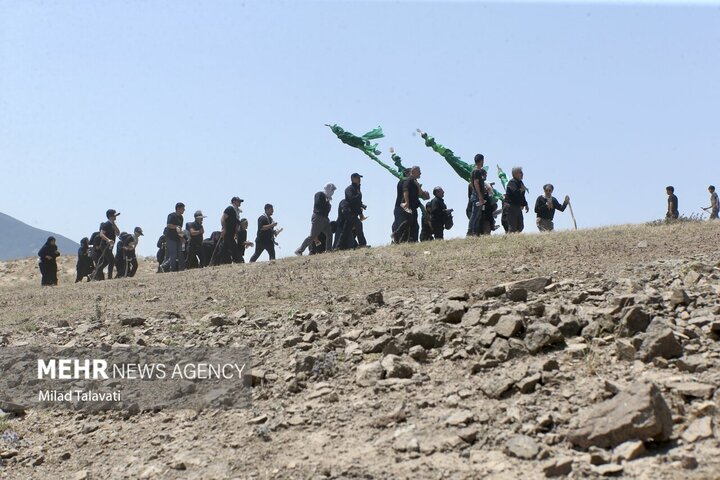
(212, 257)
(572, 215)
(100, 261)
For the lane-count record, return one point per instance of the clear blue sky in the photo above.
(135, 105)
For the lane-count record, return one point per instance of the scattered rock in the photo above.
(609, 470)
(541, 335)
(557, 467)
(633, 320)
(451, 311)
(132, 321)
(495, 291)
(465, 417)
(369, 374)
(396, 367)
(640, 413)
(693, 389)
(698, 429)
(624, 350)
(629, 451)
(536, 284)
(660, 342)
(679, 297)
(376, 298)
(216, 319)
(425, 336)
(509, 326)
(522, 446)
(517, 295)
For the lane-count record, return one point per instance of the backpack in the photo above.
(95, 239)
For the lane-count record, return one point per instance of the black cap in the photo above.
(139, 231)
(236, 199)
(111, 213)
(356, 175)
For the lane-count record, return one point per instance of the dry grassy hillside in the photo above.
(448, 376)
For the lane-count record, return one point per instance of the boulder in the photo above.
(639, 413)
(522, 446)
(536, 284)
(397, 367)
(426, 336)
(451, 311)
(633, 320)
(368, 374)
(509, 326)
(542, 335)
(660, 342)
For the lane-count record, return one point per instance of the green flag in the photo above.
(461, 168)
(503, 178)
(363, 144)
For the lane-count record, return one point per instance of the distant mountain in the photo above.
(20, 240)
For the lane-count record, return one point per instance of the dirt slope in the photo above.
(449, 376)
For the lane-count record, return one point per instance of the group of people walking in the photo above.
(184, 245)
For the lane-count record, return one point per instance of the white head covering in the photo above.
(329, 190)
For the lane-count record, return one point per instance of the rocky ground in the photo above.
(581, 354)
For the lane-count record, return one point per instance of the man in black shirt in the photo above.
(229, 222)
(438, 213)
(412, 192)
(195, 257)
(320, 222)
(173, 239)
(352, 223)
(265, 239)
(672, 210)
(478, 195)
(545, 207)
(516, 202)
(108, 233)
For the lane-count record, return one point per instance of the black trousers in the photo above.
(106, 259)
(352, 228)
(196, 256)
(260, 247)
(230, 251)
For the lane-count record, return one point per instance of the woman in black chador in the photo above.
(85, 266)
(48, 262)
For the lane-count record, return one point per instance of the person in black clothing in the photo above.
(426, 232)
(160, 255)
(195, 257)
(48, 254)
(486, 223)
(516, 202)
(85, 264)
(399, 214)
(341, 242)
(123, 247)
(266, 234)
(352, 226)
(672, 209)
(108, 233)
(173, 239)
(229, 221)
(438, 213)
(545, 207)
(478, 195)
(407, 230)
(320, 222)
(242, 240)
